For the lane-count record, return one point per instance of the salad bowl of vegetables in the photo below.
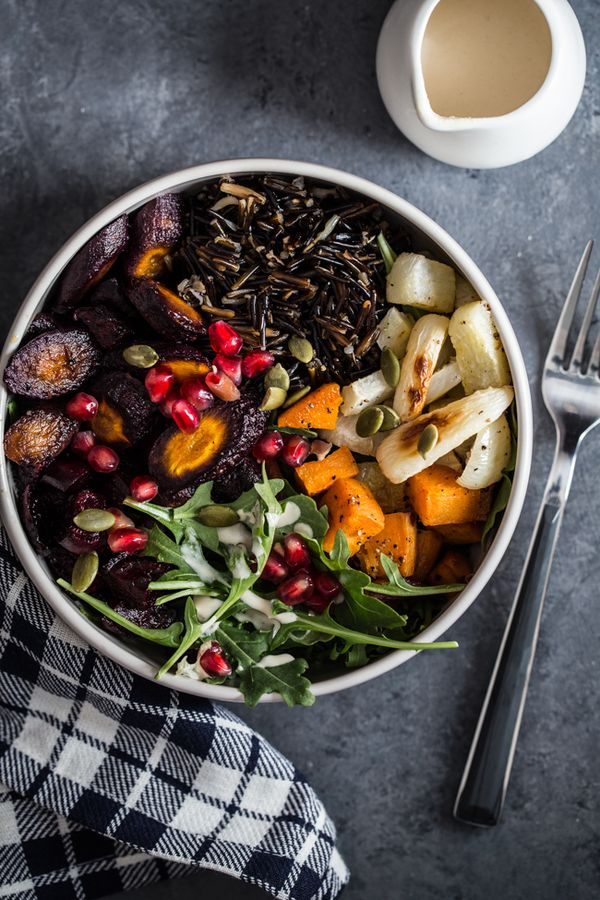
(266, 429)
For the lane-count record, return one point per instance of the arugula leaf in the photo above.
(357, 656)
(201, 497)
(303, 432)
(162, 514)
(399, 587)
(192, 634)
(286, 680)
(253, 643)
(326, 624)
(499, 505)
(161, 547)
(387, 254)
(254, 681)
(309, 515)
(168, 637)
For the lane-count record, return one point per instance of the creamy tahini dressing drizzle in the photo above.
(235, 534)
(264, 606)
(203, 569)
(274, 660)
(206, 607)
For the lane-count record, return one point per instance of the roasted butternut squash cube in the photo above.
(354, 510)
(398, 540)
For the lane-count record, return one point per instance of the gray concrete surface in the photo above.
(99, 96)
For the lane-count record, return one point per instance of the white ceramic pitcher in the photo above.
(489, 141)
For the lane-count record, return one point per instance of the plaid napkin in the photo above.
(110, 782)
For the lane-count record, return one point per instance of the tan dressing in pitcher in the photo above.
(484, 57)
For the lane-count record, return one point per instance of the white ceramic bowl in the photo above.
(428, 236)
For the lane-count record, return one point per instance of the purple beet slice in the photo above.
(184, 360)
(44, 321)
(156, 229)
(125, 414)
(52, 364)
(224, 436)
(92, 263)
(66, 475)
(165, 312)
(127, 578)
(107, 328)
(38, 437)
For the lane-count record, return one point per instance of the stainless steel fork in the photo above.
(571, 391)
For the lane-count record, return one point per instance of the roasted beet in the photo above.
(184, 360)
(105, 325)
(74, 539)
(42, 511)
(38, 437)
(66, 475)
(52, 364)
(222, 439)
(127, 578)
(125, 414)
(164, 311)
(156, 229)
(238, 479)
(92, 262)
(149, 617)
(44, 321)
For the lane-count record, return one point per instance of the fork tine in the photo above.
(557, 351)
(590, 309)
(594, 365)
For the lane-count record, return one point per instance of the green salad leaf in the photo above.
(387, 254)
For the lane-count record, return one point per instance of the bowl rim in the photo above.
(184, 179)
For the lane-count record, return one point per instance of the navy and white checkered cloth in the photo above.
(111, 782)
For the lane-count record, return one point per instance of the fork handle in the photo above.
(483, 787)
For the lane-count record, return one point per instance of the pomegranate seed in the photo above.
(295, 450)
(127, 540)
(212, 659)
(221, 386)
(296, 589)
(318, 603)
(142, 488)
(268, 446)
(297, 554)
(159, 380)
(194, 390)
(255, 362)
(166, 407)
(327, 585)
(121, 520)
(82, 407)
(102, 459)
(83, 442)
(230, 365)
(224, 339)
(275, 568)
(185, 416)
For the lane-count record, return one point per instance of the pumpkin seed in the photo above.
(273, 399)
(427, 439)
(301, 349)
(84, 571)
(297, 395)
(390, 367)
(142, 356)
(94, 520)
(369, 421)
(277, 377)
(391, 419)
(217, 516)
